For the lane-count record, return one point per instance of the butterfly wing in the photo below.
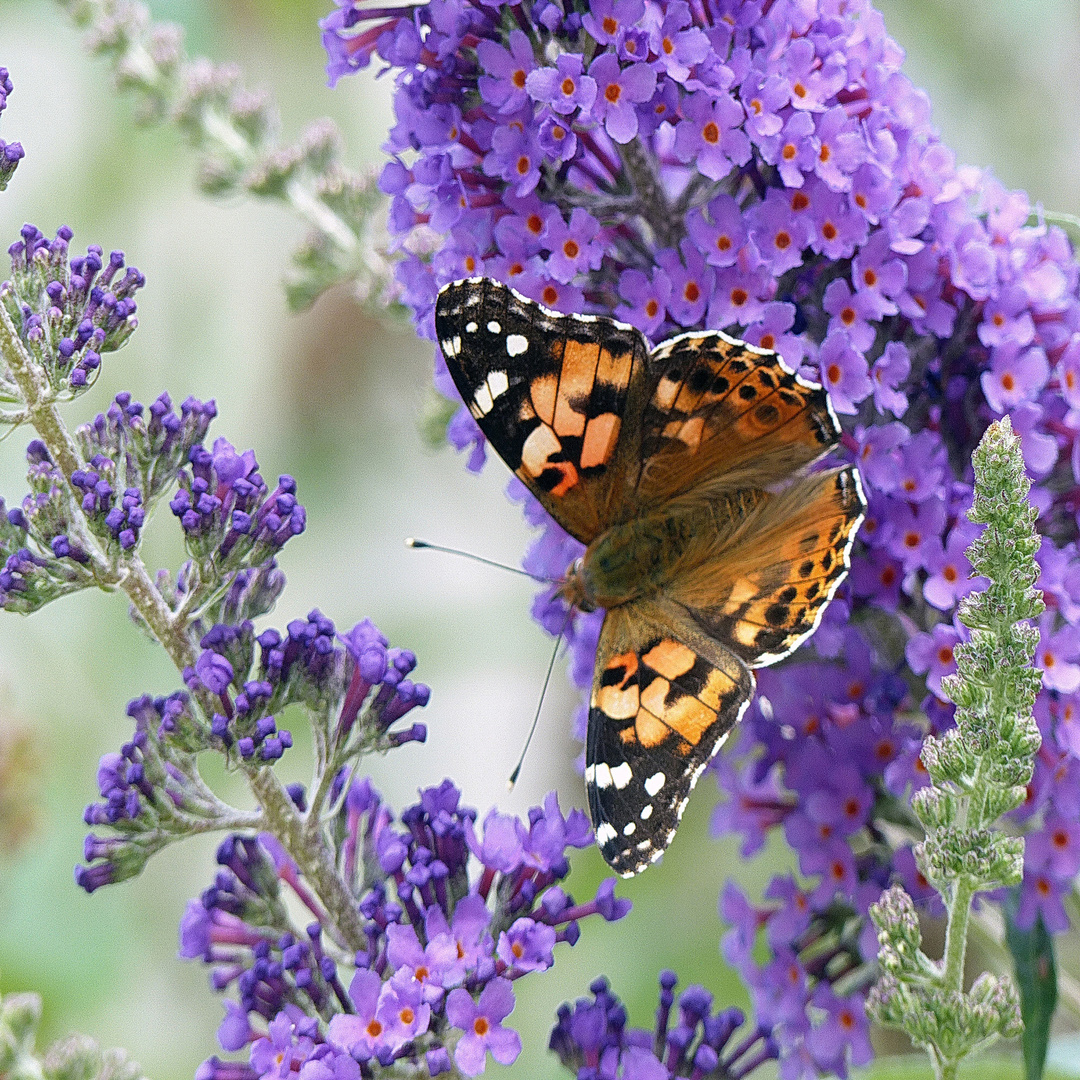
(665, 695)
(552, 393)
(763, 588)
(723, 415)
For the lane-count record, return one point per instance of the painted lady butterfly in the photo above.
(712, 551)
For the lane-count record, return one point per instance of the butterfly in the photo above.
(711, 549)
